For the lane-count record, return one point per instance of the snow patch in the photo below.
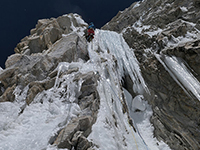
(80, 20)
(140, 28)
(152, 33)
(183, 9)
(181, 39)
(136, 5)
(138, 104)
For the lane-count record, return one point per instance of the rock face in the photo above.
(34, 66)
(166, 28)
(47, 32)
(30, 64)
(24, 69)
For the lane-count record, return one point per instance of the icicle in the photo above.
(125, 57)
(57, 77)
(181, 75)
(115, 121)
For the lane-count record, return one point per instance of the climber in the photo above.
(90, 32)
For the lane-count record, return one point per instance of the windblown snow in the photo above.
(32, 129)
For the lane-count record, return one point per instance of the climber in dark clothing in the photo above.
(90, 32)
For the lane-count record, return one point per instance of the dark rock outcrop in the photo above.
(75, 133)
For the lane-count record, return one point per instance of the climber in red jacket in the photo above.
(90, 32)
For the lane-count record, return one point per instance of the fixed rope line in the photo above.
(111, 111)
(142, 138)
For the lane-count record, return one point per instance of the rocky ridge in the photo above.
(34, 69)
(32, 63)
(166, 28)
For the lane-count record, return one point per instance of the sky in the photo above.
(19, 17)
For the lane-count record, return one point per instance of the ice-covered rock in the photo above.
(70, 92)
(24, 69)
(138, 103)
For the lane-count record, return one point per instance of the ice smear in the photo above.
(181, 74)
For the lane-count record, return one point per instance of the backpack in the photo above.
(91, 25)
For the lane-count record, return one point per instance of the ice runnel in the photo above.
(181, 74)
(112, 129)
(126, 59)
